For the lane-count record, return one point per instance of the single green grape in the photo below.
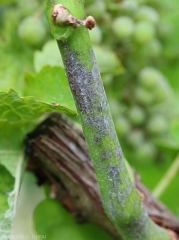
(129, 6)
(146, 13)
(97, 9)
(144, 32)
(113, 8)
(116, 107)
(122, 126)
(136, 115)
(152, 79)
(123, 27)
(135, 138)
(154, 48)
(32, 31)
(146, 152)
(157, 124)
(149, 77)
(28, 8)
(143, 96)
(164, 90)
(160, 95)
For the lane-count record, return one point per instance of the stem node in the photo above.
(62, 16)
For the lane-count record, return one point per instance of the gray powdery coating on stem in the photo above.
(88, 91)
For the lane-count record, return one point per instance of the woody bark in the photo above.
(59, 157)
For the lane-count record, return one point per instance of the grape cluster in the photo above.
(129, 43)
(32, 28)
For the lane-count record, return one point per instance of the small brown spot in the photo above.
(54, 104)
(90, 22)
(60, 14)
(68, 203)
(142, 196)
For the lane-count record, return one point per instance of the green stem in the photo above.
(167, 178)
(120, 198)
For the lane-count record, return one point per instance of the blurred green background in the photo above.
(136, 43)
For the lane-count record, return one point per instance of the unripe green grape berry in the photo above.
(143, 96)
(122, 126)
(146, 152)
(164, 90)
(136, 115)
(27, 8)
(48, 56)
(144, 32)
(146, 13)
(129, 6)
(157, 125)
(106, 59)
(95, 35)
(160, 95)
(116, 108)
(123, 27)
(113, 8)
(149, 77)
(135, 138)
(97, 9)
(154, 48)
(32, 31)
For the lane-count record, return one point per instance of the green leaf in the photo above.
(12, 72)
(17, 117)
(8, 197)
(11, 144)
(50, 86)
(6, 186)
(11, 169)
(17, 109)
(29, 196)
(52, 220)
(10, 179)
(48, 56)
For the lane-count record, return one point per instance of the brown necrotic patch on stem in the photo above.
(60, 14)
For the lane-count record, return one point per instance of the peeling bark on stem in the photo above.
(60, 158)
(120, 199)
